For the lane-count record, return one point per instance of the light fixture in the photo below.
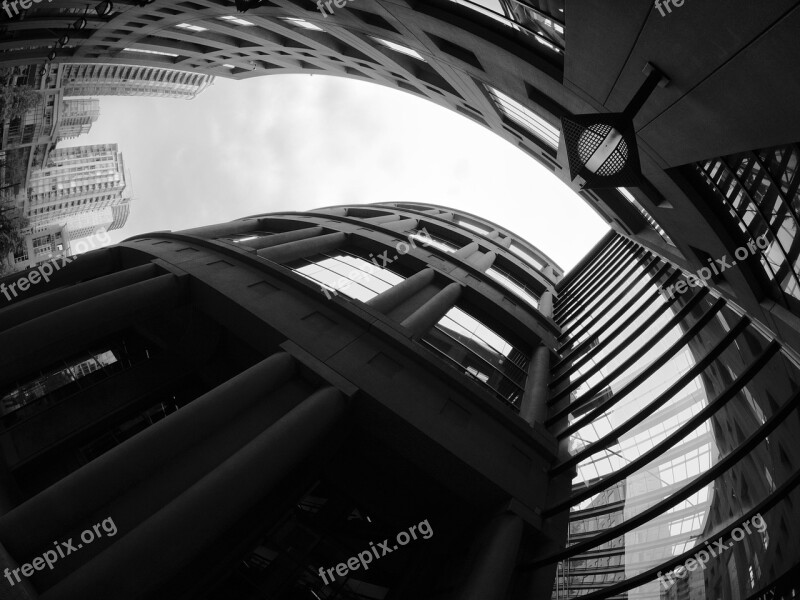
(80, 23)
(103, 9)
(51, 55)
(601, 148)
(63, 40)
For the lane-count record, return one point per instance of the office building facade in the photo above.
(107, 79)
(77, 117)
(76, 180)
(353, 371)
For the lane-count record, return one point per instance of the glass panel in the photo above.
(525, 117)
(343, 272)
(512, 284)
(482, 353)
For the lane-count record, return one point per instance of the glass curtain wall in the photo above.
(681, 421)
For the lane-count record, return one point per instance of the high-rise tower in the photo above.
(106, 79)
(75, 181)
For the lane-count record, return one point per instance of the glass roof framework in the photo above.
(662, 395)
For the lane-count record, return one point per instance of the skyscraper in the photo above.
(77, 117)
(283, 392)
(107, 79)
(75, 181)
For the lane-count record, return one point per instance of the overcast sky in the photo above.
(297, 142)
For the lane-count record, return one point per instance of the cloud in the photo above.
(297, 142)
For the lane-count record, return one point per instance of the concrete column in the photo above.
(534, 401)
(277, 239)
(401, 225)
(396, 295)
(492, 570)
(482, 261)
(301, 248)
(467, 251)
(223, 229)
(504, 242)
(549, 273)
(88, 265)
(73, 327)
(30, 526)
(427, 315)
(44, 303)
(546, 304)
(22, 590)
(136, 565)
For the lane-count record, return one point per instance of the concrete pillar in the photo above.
(28, 528)
(22, 590)
(482, 261)
(301, 248)
(44, 303)
(546, 304)
(491, 572)
(534, 401)
(88, 265)
(396, 295)
(401, 225)
(427, 315)
(549, 272)
(504, 242)
(73, 327)
(277, 239)
(219, 230)
(136, 565)
(467, 251)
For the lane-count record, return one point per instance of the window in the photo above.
(547, 30)
(149, 51)
(190, 27)
(526, 256)
(398, 48)
(302, 23)
(525, 117)
(513, 285)
(653, 223)
(55, 378)
(341, 271)
(428, 239)
(482, 353)
(236, 21)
